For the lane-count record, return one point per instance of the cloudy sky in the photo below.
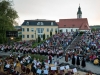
(57, 9)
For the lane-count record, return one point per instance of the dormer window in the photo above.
(85, 26)
(73, 25)
(41, 23)
(38, 23)
(51, 23)
(64, 25)
(27, 23)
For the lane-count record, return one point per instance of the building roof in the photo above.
(39, 22)
(18, 27)
(81, 23)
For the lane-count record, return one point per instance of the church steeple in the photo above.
(79, 13)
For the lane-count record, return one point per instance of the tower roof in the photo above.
(79, 10)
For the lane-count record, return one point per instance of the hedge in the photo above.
(37, 56)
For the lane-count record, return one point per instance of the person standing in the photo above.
(78, 61)
(66, 57)
(73, 59)
(83, 64)
(33, 69)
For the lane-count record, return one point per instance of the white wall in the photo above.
(85, 30)
(68, 29)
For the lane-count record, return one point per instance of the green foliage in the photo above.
(7, 19)
(56, 31)
(50, 33)
(43, 36)
(39, 39)
(61, 31)
(35, 45)
(93, 29)
(81, 33)
(37, 56)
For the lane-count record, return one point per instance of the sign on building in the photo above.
(11, 33)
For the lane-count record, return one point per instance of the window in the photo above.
(41, 23)
(51, 23)
(32, 29)
(76, 30)
(27, 36)
(47, 36)
(27, 23)
(38, 23)
(56, 29)
(23, 29)
(23, 36)
(66, 30)
(32, 36)
(27, 29)
(64, 25)
(47, 29)
(51, 29)
(71, 30)
(40, 30)
(40, 35)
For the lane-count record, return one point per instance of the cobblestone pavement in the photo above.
(89, 66)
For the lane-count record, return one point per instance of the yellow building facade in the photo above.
(32, 29)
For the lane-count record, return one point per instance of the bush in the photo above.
(56, 32)
(43, 36)
(40, 57)
(50, 33)
(35, 45)
(39, 39)
(81, 33)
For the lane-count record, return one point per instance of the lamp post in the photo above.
(11, 43)
(35, 35)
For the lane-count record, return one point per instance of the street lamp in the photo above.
(11, 38)
(35, 35)
(11, 43)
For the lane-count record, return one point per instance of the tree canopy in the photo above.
(7, 19)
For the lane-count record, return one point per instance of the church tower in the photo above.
(79, 13)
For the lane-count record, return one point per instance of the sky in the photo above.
(57, 9)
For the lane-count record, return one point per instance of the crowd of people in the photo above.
(87, 48)
(26, 65)
(54, 45)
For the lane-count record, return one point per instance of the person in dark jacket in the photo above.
(33, 69)
(78, 61)
(73, 60)
(83, 64)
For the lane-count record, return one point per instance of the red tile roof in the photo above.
(81, 23)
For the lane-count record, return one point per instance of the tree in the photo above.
(39, 39)
(50, 33)
(93, 29)
(56, 31)
(61, 31)
(43, 36)
(7, 19)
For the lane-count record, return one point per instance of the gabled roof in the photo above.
(39, 22)
(81, 23)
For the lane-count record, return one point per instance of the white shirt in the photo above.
(14, 64)
(7, 66)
